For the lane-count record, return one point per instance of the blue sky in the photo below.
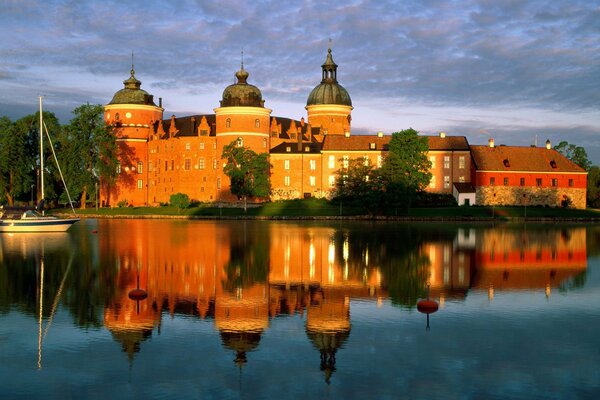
(511, 70)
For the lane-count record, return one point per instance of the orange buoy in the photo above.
(138, 294)
(427, 306)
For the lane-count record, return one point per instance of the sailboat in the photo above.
(26, 220)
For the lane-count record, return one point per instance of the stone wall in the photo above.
(530, 196)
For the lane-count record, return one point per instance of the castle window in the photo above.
(366, 161)
(492, 181)
(553, 164)
(446, 182)
(140, 167)
(505, 181)
(331, 180)
(140, 184)
(214, 163)
(201, 163)
(264, 143)
(292, 135)
(274, 133)
(218, 183)
(150, 167)
(187, 146)
(570, 182)
(286, 164)
(202, 146)
(203, 132)
(117, 117)
(188, 164)
(432, 160)
(312, 180)
(372, 146)
(461, 179)
(506, 163)
(240, 142)
(172, 165)
(432, 182)
(257, 123)
(538, 181)
(461, 162)
(288, 149)
(379, 161)
(118, 168)
(522, 181)
(286, 180)
(166, 165)
(446, 161)
(345, 161)
(554, 182)
(228, 123)
(313, 165)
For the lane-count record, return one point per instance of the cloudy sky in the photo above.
(512, 70)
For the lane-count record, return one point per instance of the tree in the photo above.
(593, 187)
(180, 200)
(89, 151)
(360, 183)
(405, 168)
(247, 171)
(577, 154)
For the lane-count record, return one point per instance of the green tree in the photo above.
(575, 153)
(180, 200)
(405, 168)
(593, 187)
(360, 184)
(247, 171)
(89, 151)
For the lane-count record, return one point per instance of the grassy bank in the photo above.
(315, 208)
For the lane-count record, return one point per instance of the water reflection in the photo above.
(241, 276)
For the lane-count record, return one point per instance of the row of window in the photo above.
(461, 162)
(433, 181)
(538, 182)
(228, 123)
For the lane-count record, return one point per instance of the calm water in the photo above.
(283, 310)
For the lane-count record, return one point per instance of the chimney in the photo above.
(160, 102)
(347, 134)
(442, 134)
(379, 134)
(491, 142)
(548, 144)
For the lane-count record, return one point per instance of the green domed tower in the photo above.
(329, 105)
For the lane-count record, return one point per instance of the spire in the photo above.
(132, 82)
(329, 67)
(242, 74)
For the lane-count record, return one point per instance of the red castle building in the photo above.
(160, 157)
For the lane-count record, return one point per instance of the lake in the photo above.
(265, 310)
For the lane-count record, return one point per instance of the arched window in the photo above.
(257, 123)
(140, 167)
(240, 142)
(228, 123)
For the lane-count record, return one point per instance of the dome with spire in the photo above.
(241, 93)
(329, 91)
(132, 94)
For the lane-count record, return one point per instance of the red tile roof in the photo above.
(362, 142)
(515, 158)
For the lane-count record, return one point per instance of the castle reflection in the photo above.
(242, 275)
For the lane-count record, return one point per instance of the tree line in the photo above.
(85, 147)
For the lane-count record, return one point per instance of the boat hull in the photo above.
(37, 225)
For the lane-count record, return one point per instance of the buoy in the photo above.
(427, 306)
(138, 294)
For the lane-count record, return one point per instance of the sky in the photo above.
(516, 71)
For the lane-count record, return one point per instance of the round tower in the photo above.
(132, 114)
(242, 117)
(329, 105)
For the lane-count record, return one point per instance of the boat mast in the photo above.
(41, 152)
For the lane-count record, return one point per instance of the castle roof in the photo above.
(329, 91)
(132, 94)
(241, 93)
(518, 158)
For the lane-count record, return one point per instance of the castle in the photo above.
(159, 157)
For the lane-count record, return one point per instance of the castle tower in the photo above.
(132, 113)
(241, 117)
(329, 104)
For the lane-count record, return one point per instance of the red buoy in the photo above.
(427, 306)
(138, 294)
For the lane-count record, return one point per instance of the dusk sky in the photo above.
(511, 70)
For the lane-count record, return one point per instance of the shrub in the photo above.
(180, 200)
(123, 203)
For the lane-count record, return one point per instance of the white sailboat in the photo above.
(19, 220)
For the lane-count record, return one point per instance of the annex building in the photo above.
(159, 157)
